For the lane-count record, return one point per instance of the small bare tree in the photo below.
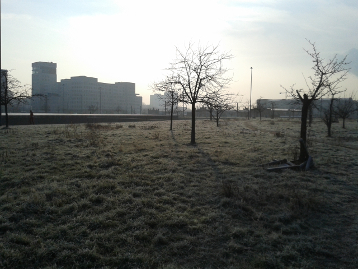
(170, 97)
(219, 102)
(198, 73)
(327, 116)
(325, 80)
(12, 93)
(345, 108)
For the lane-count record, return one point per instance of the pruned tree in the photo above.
(12, 93)
(345, 108)
(198, 73)
(325, 80)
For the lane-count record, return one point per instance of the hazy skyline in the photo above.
(134, 41)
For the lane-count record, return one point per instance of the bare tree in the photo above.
(345, 107)
(12, 93)
(170, 97)
(327, 116)
(325, 80)
(198, 73)
(219, 102)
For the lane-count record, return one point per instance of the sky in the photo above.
(136, 40)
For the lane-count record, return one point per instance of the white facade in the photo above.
(87, 95)
(83, 94)
(44, 79)
(157, 101)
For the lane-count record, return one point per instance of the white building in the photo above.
(82, 94)
(157, 101)
(44, 88)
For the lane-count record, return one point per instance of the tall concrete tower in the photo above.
(44, 80)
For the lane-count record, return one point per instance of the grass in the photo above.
(139, 196)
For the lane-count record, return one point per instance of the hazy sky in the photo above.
(135, 40)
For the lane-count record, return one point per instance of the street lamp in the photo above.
(250, 94)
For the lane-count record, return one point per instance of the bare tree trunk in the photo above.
(192, 123)
(304, 115)
(217, 118)
(344, 122)
(329, 122)
(310, 115)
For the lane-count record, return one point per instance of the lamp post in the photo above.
(250, 94)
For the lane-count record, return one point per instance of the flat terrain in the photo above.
(136, 195)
